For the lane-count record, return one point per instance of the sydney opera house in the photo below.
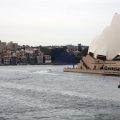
(104, 52)
(108, 43)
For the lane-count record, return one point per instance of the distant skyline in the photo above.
(54, 22)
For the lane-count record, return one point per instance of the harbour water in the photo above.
(47, 93)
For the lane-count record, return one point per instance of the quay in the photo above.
(100, 72)
(75, 70)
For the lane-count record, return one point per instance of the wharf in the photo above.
(101, 72)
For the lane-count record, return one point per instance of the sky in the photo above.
(54, 22)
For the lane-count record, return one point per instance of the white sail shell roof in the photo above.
(108, 43)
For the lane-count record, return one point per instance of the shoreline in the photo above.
(33, 64)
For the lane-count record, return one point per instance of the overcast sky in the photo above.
(53, 22)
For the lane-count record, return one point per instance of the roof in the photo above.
(108, 42)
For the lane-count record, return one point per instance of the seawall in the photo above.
(83, 71)
(101, 72)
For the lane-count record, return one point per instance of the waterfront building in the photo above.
(0, 61)
(47, 58)
(23, 60)
(40, 57)
(104, 52)
(72, 48)
(7, 60)
(12, 46)
(2, 46)
(13, 59)
(39, 60)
